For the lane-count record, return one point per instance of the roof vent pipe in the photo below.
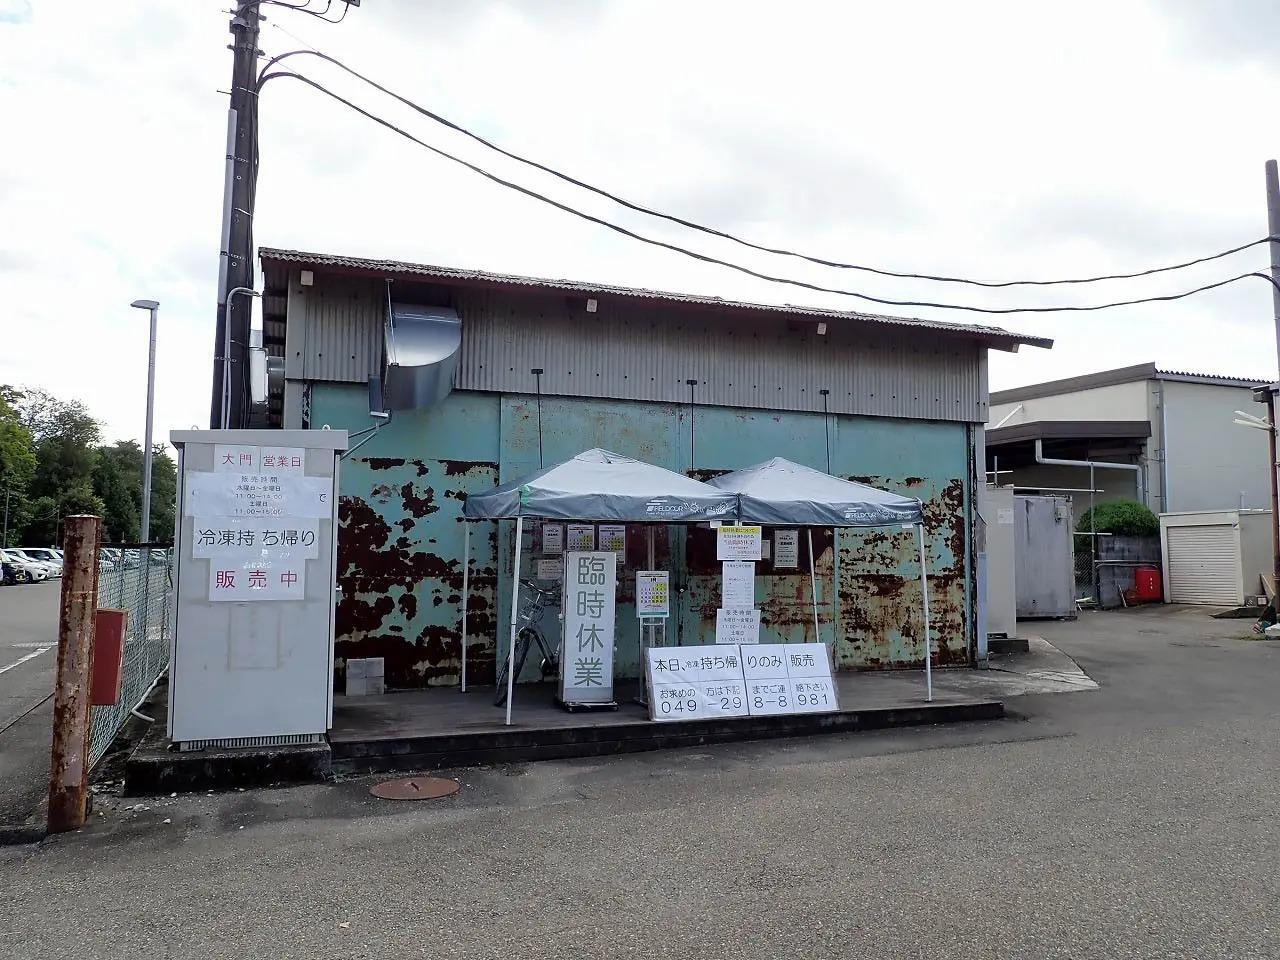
(1095, 464)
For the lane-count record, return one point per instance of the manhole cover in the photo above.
(415, 788)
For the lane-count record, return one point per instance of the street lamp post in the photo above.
(152, 306)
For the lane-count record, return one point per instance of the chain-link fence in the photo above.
(138, 580)
(1086, 568)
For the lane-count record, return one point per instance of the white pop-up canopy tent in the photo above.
(780, 491)
(595, 485)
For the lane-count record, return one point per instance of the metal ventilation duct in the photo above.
(422, 354)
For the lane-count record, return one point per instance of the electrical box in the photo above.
(255, 552)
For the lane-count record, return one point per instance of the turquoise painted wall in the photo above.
(419, 467)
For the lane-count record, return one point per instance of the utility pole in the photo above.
(1273, 231)
(236, 254)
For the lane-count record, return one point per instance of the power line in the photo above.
(724, 235)
(706, 258)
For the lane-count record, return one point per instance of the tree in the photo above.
(17, 464)
(117, 479)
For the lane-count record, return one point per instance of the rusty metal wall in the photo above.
(639, 352)
(400, 545)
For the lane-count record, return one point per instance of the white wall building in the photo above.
(1168, 434)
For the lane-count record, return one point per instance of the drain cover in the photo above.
(415, 788)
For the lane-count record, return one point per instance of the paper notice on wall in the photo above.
(580, 537)
(553, 538)
(653, 594)
(228, 494)
(550, 568)
(786, 549)
(238, 458)
(737, 625)
(233, 578)
(255, 538)
(1004, 516)
(692, 683)
(737, 583)
(613, 536)
(738, 543)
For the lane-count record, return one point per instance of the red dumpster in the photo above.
(1147, 584)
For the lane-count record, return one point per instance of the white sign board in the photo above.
(737, 625)
(227, 494)
(580, 537)
(550, 568)
(590, 600)
(737, 543)
(255, 559)
(613, 536)
(787, 678)
(786, 549)
(738, 583)
(695, 683)
(653, 593)
(553, 538)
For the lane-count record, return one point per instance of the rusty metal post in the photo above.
(69, 761)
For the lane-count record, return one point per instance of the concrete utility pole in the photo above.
(1273, 230)
(236, 255)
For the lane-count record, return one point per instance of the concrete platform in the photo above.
(442, 727)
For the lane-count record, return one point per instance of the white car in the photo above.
(42, 556)
(23, 569)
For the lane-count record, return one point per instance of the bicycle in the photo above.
(535, 601)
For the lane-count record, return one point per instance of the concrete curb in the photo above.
(517, 745)
(153, 768)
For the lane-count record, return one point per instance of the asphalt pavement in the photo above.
(28, 658)
(1139, 819)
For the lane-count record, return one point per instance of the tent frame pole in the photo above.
(928, 642)
(813, 587)
(515, 612)
(466, 582)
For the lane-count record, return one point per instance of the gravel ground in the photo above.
(1136, 820)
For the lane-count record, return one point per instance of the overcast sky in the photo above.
(994, 140)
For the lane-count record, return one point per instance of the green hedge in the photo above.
(1123, 517)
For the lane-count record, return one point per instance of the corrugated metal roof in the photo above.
(994, 336)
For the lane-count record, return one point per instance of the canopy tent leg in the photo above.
(515, 611)
(813, 587)
(466, 581)
(928, 643)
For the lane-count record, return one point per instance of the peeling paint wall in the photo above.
(400, 546)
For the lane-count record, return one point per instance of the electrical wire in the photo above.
(706, 258)
(712, 231)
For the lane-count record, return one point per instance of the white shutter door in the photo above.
(1204, 565)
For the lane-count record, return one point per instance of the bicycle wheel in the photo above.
(523, 641)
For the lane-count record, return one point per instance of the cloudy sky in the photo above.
(986, 139)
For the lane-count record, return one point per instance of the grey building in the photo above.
(1163, 437)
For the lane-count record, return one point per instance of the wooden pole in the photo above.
(69, 760)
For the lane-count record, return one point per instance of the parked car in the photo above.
(40, 557)
(17, 568)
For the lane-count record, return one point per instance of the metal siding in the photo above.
(344, 320)
(644, 352)
(625, 352)
(1204, 564)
